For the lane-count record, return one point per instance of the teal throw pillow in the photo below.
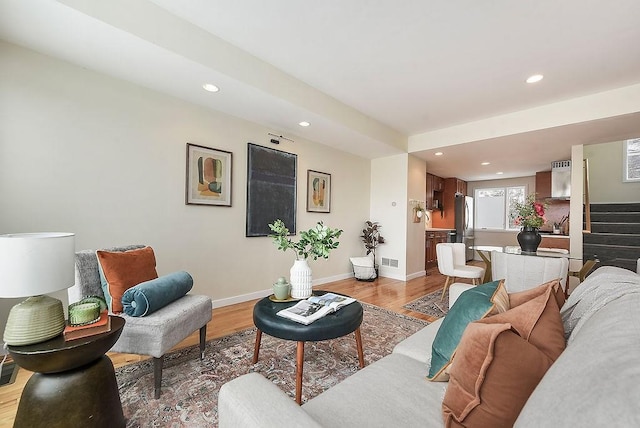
(147, 297)
(472, 305)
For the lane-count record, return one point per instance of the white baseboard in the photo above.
(392, 275)
(416, 275)
(219, 303)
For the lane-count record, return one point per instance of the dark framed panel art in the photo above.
(318, 191)
(208, 176)
(271, 189)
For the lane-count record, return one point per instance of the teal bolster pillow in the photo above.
(472, 305)
(150, 296)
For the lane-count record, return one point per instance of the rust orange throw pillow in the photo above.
(502, 358)
(516, 299)
(493, 374)
(120, 271)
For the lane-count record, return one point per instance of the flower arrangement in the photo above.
(530, 213)
(315, 242)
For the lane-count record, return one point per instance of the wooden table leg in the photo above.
(359, 346)
(299, 367)
(256, 349)
(487, 263)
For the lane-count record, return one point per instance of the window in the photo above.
(494, 207)
(631, 165)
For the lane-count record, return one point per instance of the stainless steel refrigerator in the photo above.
(464, 223)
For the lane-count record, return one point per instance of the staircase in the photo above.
(615, 235)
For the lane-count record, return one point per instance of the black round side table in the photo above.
(74, 384)
(337, 324)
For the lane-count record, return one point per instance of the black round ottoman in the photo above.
(337, 324)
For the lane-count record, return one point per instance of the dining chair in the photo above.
(581, 274)
(452, 264)
(522, 272)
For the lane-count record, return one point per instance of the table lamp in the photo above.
(31, 265)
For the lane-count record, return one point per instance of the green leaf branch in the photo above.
(315, 243)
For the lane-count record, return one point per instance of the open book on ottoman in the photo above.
(315, 307)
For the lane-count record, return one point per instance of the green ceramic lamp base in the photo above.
(34, 320)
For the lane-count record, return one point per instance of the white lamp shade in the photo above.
(32, 264)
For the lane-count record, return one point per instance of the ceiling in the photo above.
(373, 77)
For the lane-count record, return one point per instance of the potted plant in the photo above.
(316, 243)
(371, 237)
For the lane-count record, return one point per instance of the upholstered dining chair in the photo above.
(452, 264)
(522, 272)
(153, 334)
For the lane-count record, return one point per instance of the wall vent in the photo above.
(385, 261)
(393, 263)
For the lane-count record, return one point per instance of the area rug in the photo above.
(190, 386)
(431, 304)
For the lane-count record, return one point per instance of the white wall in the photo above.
(606, 174)
(389, 208)
(105, 159)
(416, 188)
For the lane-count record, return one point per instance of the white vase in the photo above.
(300, 279)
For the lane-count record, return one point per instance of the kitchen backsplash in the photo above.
(556, 210)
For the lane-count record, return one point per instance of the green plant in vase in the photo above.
(315, 243)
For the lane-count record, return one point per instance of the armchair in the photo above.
(154, 334)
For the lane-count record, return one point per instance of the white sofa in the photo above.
(595, 381)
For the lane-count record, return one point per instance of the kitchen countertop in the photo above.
(553, 235)
(438, 229)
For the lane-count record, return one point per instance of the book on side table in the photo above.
(315, 307)
(103, 325)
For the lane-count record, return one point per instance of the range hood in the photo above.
(561, 179)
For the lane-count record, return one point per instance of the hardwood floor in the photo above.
(383, 292)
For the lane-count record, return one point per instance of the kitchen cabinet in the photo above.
(446, 217)
(432, 238)
(429, 249)
(438, 184)
(550, 241)
(429, 196)
(461, 186)
(434, 188)
(543, 185)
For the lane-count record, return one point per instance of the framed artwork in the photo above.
(208, 176)
(318, 191)
(271, 189)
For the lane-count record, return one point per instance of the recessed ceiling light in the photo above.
(304, 123)
(439, 153)
(210, 87)
(499, 173)
(535, 78)
(485, 163)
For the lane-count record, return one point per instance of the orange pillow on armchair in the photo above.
(121, 270)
